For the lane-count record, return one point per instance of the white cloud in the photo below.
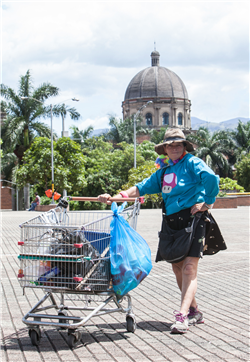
(102, 122)
(91, 50)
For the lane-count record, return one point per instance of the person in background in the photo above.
(188, 186)
(34, 203)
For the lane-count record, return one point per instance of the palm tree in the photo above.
(63, 110)
(123, 130)
(21, 124)
(212, 149)
(81, 136)
(241, 137)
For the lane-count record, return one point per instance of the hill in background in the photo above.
(99, 132)
(195, 124)
(212, 126)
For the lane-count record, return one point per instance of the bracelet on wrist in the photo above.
(124, 194)
(208, 206)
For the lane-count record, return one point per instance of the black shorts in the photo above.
(183, 219)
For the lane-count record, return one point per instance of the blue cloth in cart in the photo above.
(130, 255)
(99, 240)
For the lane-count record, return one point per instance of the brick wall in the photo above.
(243, 200)
(142, 137)
(232, 202)
(6, 201)
(45, 208)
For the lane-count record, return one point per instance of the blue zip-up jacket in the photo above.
(186, 183)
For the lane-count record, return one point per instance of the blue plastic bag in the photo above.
(130, 255)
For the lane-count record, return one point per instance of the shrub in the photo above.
(228, 185)
(74, 205)
(222, 194)
(243, 172)
(44, 200)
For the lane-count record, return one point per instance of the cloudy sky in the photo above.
(92, 49)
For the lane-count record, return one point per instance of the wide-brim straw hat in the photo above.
(173, 135)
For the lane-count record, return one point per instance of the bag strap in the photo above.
(162, 176)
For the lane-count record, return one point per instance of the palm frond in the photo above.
(8, 162)
(45, 91)
(62, 110)
(4, 106)
(87, 132)
(12, 131)
(209, 161)
(25, 85)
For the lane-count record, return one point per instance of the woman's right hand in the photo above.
(104, 198)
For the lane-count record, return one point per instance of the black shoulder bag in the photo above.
(174, 245)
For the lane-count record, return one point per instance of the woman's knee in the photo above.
(190, 268)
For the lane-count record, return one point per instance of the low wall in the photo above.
(243, 200)
(44, 208)
(230, 202)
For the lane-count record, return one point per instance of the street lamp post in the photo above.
(52, 157)
(135, 119)
(52, 149)
(65, 134)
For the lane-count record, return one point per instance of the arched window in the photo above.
(165, 118)
(149, 119)
(180, 119)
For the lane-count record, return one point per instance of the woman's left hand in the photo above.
(198, 208)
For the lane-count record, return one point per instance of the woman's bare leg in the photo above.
(186, 277)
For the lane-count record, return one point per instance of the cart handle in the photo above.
(112, 199)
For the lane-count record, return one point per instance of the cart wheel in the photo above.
(131, 324)
(64, 314)
(72, 340)
(35, 337)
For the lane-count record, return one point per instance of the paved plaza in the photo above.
(223, 296)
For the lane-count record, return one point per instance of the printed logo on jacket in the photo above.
(169, 182)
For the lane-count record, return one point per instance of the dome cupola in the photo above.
(165, 89)
(155, 58)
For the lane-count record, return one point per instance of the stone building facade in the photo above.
(170, 104)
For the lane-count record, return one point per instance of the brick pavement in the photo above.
(223, 296)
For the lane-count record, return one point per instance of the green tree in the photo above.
(21, 124)
(81, 136)
(158, 136)
(98, 154)
(62, 110)
(123, 160)
(98, 183)
(147, 150)
(123, 130)
(243, 172)
(99, 178)
(136, 175)
(241, 137)
(107, 168)
(1, 151)
(212, 149)
(69, 165)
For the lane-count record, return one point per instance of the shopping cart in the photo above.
(66, 254)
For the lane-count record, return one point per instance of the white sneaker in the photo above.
(181, 324)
